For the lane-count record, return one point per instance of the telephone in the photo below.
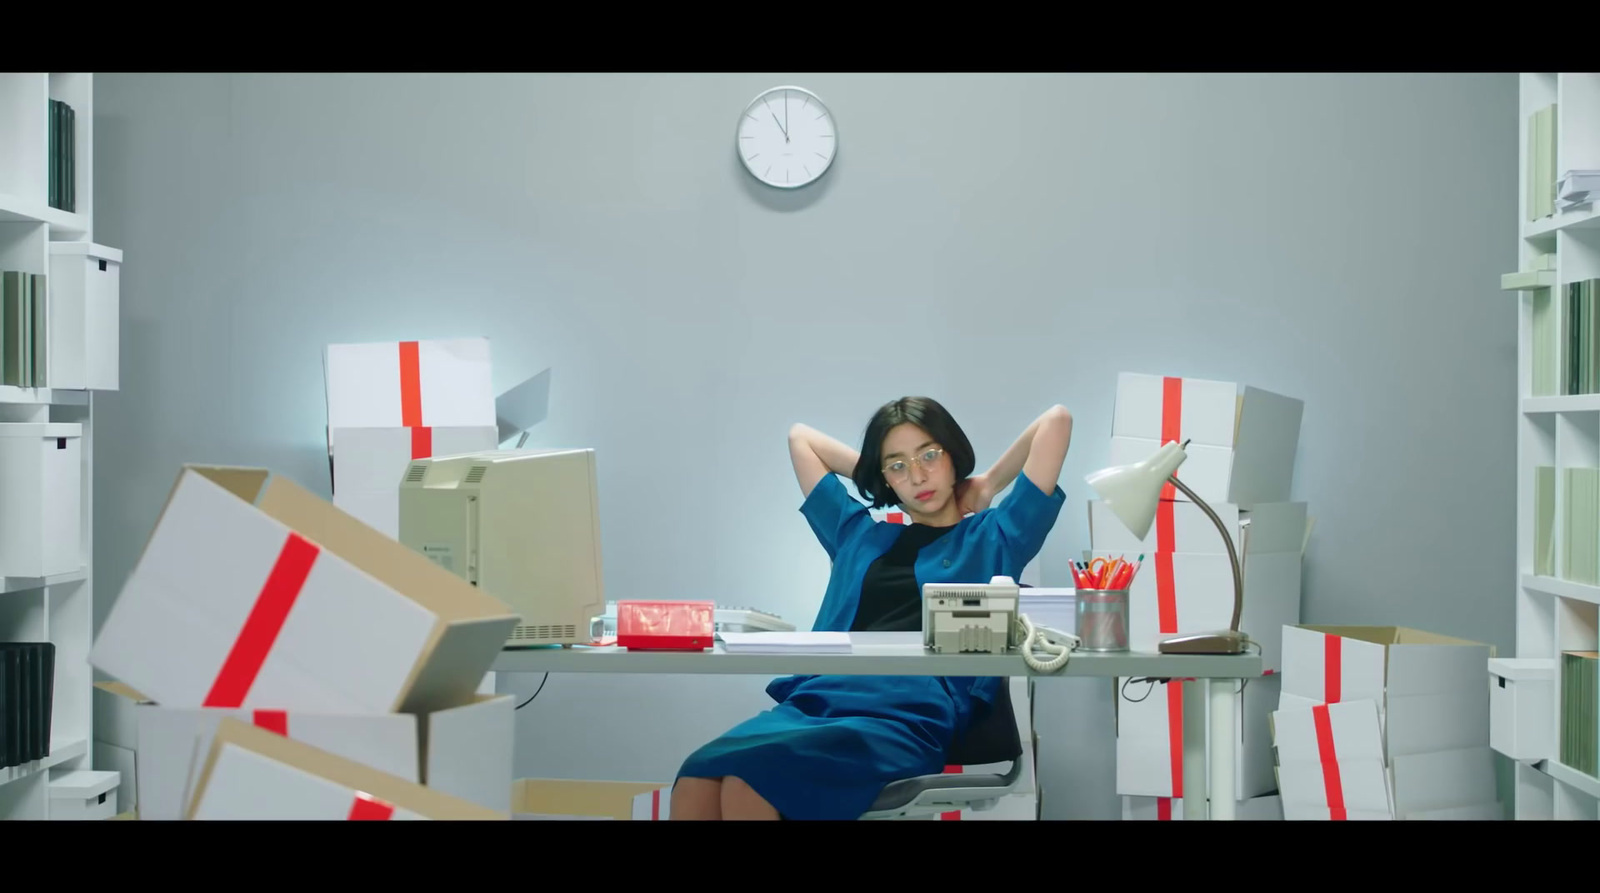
(984, 617)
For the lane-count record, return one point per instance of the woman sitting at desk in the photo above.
(832, 743)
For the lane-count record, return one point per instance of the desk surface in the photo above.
(873, 654)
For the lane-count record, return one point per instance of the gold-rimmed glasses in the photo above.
(900, 468)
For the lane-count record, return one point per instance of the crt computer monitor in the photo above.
(522, 525)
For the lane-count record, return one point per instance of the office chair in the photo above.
(993, 739)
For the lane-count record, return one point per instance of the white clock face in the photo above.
(786, 138)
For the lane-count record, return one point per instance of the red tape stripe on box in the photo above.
(1332, 669)
(261, 628)
(421, 443)
(368, 808)
(1163, 809)
(1167, 614)
(273, 721)
(1331, 784)
(410, 385)
(1171, 421)
(953, 815)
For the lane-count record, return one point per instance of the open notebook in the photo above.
(795, 642)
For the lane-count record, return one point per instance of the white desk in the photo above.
(902, 654)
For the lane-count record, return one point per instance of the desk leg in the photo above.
(1194, 748)
(1223, 729)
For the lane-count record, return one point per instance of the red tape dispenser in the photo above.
(666, 626)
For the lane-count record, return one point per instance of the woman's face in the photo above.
(918, 469)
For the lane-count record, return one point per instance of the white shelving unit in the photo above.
(55, 608)
(1557, 430)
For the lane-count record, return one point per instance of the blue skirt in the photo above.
(832, 743)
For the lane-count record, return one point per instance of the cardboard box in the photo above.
(1429, 702)
(443, 383)
(1193, 591)
(1429, 688)
(1267, 808)
(254, 774)
(1242, 439)
(465, 751)
(1183, 527)
(1150, 734)
(123, 761)
(369, 463)
(84, 316)
(41, 486)
(1521, 707)
(252, 592)
(1330, 762)
(560, 798)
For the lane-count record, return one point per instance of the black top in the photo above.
(891, 598)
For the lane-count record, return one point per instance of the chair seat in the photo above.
(900, 793)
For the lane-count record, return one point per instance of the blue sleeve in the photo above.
(833, 514)
(1024, 518)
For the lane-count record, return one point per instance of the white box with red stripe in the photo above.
(1166, 809)
(252, 592)
(1242, 440)
(1186, 585)
(1330, 762)
(391, 402)
(464, 751)
(1430, 706)
(250, 773)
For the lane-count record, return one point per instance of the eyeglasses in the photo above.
(899, 468)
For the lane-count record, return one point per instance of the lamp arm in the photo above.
(1233, 557)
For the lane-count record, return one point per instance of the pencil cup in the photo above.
(1102, 618)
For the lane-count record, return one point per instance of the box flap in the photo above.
(118, 688)
(559, 796)
(355, 776)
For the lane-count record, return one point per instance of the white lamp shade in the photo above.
(1132, 492)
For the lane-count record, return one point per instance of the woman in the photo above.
(833, 742)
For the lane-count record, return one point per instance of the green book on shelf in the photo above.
(11, 306)
(39, 337)
(1544, 520)
(1543, 338)
(1582, 540)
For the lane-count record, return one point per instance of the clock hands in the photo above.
(775, 117)
(786, 116)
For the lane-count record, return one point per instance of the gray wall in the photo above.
(1000, 242)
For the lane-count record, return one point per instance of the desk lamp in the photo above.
(1133, 492)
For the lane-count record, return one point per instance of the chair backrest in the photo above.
(993, 738)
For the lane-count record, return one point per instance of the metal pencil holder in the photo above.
(1102, 619)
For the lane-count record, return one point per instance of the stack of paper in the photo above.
(1055, 608)
(785, 643)
(1577, 188)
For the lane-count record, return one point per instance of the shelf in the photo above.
(21, 584)
(60, 752)
(1556, 586)
(10, 394)
(1567, 403)
(1587, 217)
(62, 223)
(1570, 776)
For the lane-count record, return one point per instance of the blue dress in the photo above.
(832, 743)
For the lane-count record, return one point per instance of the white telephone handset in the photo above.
(1054, 642)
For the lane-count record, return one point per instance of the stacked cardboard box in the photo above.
(1241, 451)
(278, 658)
(391, 402)
(1383, 722)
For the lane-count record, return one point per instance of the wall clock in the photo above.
(787, 138)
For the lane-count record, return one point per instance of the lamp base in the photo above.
(1227, 641)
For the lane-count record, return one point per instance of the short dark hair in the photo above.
(925, 413)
